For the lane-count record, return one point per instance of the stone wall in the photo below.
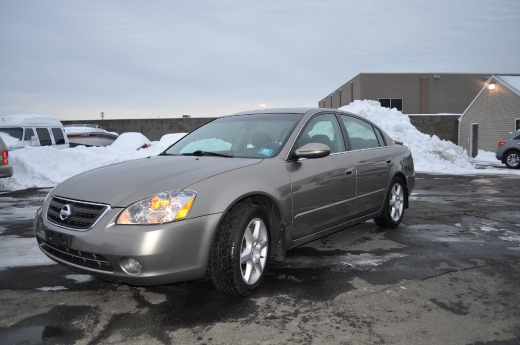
(444, 126)
(153, 129)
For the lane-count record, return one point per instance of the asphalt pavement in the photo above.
(450, 274)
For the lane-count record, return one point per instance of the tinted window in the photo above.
(16, 132)
(29, 133)
(58, 136)
(44, 136)
(323, 129)
(396, 103)
(361, 133)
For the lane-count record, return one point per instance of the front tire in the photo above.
(513, 160)
(393, 208)
(240, 251)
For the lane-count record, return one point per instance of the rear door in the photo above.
(373, 163)
(323, 189)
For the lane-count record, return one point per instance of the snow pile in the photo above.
(430, 153)
(46, 166)
(130, 141)
(168, 140)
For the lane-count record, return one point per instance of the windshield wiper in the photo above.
(207, 153)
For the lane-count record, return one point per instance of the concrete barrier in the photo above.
(153, 129)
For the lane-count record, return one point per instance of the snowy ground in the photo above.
(46, 167)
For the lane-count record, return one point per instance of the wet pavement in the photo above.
(449, 274)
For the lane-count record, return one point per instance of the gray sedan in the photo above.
(227, 198)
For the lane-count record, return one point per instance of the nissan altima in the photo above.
(227, 198)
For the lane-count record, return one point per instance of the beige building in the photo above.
(458, 107)
(493, 114)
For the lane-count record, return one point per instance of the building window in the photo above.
(396, 103)
(517, 124)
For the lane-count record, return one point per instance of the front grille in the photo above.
(89, 260)
(83, 215)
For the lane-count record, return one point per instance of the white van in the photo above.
(19, 131)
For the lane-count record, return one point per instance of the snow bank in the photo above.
(47, 166)
(130, 141)
(430, 153)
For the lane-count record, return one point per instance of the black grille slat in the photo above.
(83, 214)
(89, 260)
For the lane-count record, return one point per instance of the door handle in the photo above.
(350, 171)
(389, 160)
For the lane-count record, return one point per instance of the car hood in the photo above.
(121, 184)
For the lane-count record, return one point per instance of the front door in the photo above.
(323, 189)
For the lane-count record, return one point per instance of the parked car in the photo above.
(33, 130)
(508, 150)
(6, 169)
(227, 197)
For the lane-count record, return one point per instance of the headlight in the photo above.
(159, 208)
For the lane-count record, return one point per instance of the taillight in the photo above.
(5, 157)
(501, 143)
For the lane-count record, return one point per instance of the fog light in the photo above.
(131, 266)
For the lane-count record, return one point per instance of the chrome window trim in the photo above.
(108, 208)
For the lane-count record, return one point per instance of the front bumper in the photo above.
(169, 253)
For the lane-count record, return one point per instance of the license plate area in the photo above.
(58, 238)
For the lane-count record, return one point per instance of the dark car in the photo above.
(227, 197)
(508, 150)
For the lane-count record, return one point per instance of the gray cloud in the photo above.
(209, 58)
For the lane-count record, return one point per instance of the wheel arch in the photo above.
(508, 151)
(277, 227)
(405, 185)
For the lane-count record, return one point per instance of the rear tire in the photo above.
(512, 160)
(393, 208)
(239, 254)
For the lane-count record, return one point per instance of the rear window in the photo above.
(44, 136)
(58, 136)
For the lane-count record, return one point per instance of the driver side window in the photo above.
(323, 129)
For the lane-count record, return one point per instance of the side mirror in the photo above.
(312, 150)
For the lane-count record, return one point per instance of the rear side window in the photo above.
(44, 135)
(29, 133)
(360, 133)
(58, 136)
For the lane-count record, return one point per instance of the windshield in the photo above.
(248, 136)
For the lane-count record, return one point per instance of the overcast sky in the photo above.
(143, 59)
